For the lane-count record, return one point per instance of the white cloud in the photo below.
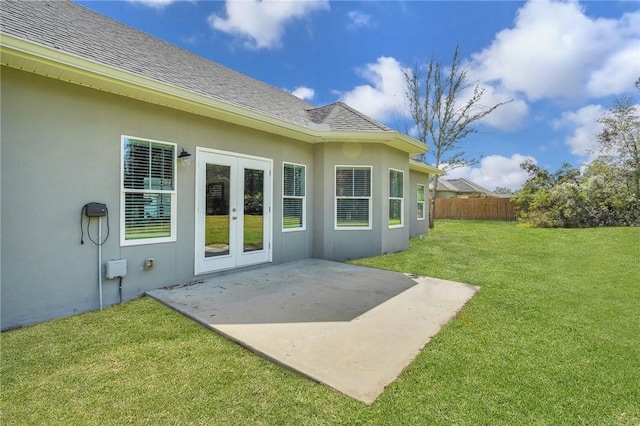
(616, 76)
(384, 98)
(157, 4)
(506, 117)
(261, 23)
(494, 171)
(583, 129)
(358, 20)
(555, 50)
(385, 93)
(302, 92)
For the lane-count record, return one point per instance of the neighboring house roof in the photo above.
(465, 186)
(462, 185)
(64, 40)
(444, 185)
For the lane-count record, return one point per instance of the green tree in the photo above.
(601, 196)
(444, 114)
(502, 190)
(536, 198)
(620, 137)
(612, 196)
(606, 194)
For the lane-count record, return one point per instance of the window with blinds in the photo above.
(293, 197)
(396, 198)
(353, 197)
(148, 191)
(420, 202)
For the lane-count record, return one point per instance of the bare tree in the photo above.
(441, 115)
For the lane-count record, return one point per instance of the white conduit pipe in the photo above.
(100, 259)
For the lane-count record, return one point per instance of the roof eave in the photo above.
(16, 52)
(390, 137)
(425, 168)
(33, 57)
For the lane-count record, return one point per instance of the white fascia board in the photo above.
(39, 59)
(425, 168)
(392, 138)
(33, 57)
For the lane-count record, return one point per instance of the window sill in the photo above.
(129, 243)
(284, 230)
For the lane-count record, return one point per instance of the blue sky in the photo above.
(562, 63)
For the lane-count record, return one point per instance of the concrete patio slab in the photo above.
(352, 328)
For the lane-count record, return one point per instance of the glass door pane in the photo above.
(217, 220)
(253, 235)
(233, 211)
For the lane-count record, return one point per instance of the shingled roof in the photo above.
(341, 117)
(460, 185)
(74, 29)
(465, 186)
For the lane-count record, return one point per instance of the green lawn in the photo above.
(149, 231)
(217, 229)
(291, 222)
(552, 338)
(395, 222)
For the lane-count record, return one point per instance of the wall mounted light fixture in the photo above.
(185, 158)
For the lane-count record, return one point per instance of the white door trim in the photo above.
(204, 265)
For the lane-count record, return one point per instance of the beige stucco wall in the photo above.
(418, 226)
(343, 244)
(447, 194)
(349, 244)
(61, 150)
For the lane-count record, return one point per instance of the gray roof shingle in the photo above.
(460, 185)
(341, 117)
(466, 186)
(74, 29)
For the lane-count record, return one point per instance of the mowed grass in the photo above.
(217, 230)
(552, 338)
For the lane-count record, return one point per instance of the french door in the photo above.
(233, 210)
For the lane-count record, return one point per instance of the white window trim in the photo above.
(174, 209)
(424, 202)
(401, 225)
(335, 200)
(303, 198)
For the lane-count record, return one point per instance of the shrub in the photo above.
(602, 196)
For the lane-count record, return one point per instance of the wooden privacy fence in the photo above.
(475, 209)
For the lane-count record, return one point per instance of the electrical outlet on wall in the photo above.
(148, 263)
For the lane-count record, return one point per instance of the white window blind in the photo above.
(353, 196)
(293, 196)
(396, 197)
(420, 201)
(148, 190)
(420, 198)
